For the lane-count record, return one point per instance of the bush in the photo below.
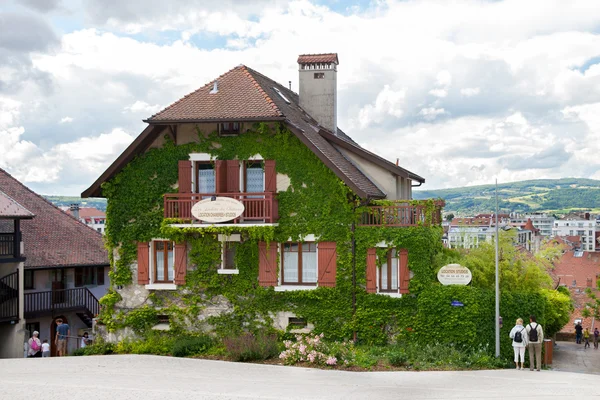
(99, 348)
(192, 345)
(397, 358)
(155, 343)
(250, 347)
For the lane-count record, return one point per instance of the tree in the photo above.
(449, 217)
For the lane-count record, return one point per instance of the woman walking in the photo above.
(519, 342)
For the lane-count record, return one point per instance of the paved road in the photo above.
(154, 377)
(572, 357)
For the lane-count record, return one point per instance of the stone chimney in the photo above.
(74, 208)
(318, 88)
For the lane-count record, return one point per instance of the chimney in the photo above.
(318, 88)
(74, 208)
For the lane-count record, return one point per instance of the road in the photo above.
(154, 377)
(572, 357)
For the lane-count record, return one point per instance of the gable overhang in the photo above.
(374, 158)
(209, 120)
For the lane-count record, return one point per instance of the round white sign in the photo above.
(454, 274)
(218, 209)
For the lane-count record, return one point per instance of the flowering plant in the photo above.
(310, 349)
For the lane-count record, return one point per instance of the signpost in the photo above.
(218, 209)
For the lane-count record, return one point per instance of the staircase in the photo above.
(9, 297)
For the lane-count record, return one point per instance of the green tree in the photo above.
(449, 217)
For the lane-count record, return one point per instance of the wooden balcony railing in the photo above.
(259, 207)
(403, 214)
(50, 302)
(9, 297)
(10, 245)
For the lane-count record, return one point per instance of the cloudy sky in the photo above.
(462, 94)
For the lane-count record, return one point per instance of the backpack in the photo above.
(518, 337)
(34, 345)
(533, 333)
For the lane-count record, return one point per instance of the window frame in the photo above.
(300, 252)
(31, 274)
(390, 267)
(235, 239)
(196, 165)
(165, 251)
(230, 128)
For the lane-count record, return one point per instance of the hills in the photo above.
(555, 196)
(59, 201)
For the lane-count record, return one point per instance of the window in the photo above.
(388, 278)
(319, 75)
(163, 261)
(99, 230)
(229, 128)
(570, 233)
(590, 233)
(206, 182)
(28, 277)
(32, 326)
(299, 263)
(254, 177)
(89, 276)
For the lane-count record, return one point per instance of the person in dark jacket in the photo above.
(578, 332)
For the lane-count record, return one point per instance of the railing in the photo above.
(9, 297)
(403, 214)
(9, 245)
(261, 207)
(39, 303)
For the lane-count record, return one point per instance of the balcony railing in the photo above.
(9, 297)
(258, 207)
(50, 302)
(403, 214)
(10, 245)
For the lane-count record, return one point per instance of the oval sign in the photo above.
(454, 274)
(218, 209)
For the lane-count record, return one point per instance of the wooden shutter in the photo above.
(404, 271)
(78, 277)
(327, 263)
(143, 256)
(100, 276)
(267, 264)
(233, 176)
(270, 176)
(372, 270)
(180, 263)
(220, 176)
(185, 176)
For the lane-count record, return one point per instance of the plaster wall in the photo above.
(43, 282)
(318, 97)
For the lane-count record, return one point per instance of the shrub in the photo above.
(99, 348)
(192, 345)
(154, 343)
(250, 347)
(397, 358)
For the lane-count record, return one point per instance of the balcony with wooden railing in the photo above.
(52, 302)
(259, 207)
(403, 214)
(9, 297)
(10, 247)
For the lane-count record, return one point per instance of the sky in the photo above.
(462, 92)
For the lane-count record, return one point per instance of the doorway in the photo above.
(58, 285)
(52, 340)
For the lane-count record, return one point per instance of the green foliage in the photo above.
(99, 348)
(442, 357)
(192, 345)
(141, 319)
(155, 342)
(251, 347)
(559, 307)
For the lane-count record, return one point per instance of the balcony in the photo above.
(52, 302)
(258, 207)
(10, 247)
(404, 213)
(9, 297)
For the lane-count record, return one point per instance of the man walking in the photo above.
(536, 338)
(63, 331)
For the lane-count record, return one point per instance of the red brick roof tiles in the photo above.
(87, 212)
(53, 238)
(9, 208)
(318, 58)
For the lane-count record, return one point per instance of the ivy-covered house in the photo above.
(329, 237)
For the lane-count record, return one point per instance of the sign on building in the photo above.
(454, 274)
(218, 209)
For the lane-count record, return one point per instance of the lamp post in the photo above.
(497, 282)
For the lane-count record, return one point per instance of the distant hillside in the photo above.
(59, 201)
(549, 195)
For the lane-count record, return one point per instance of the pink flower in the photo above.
(331, 361)
(302, 349)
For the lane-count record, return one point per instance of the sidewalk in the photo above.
(571, 357)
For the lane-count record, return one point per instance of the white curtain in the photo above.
(171, 265)
(206, 181)
(290, 266)
(255, 180)
(309, 267)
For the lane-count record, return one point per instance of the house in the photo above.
(244, 203)
(541, 221)
(583, 229)
(90, 216)
(61, 266)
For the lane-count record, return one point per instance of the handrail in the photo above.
(9, 244)
(56, 300)
(402, 214)
(9, 297)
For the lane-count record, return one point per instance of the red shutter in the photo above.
(267, 264)
(327, 263)
(233, 176)
(372, 270)
(143, 265)
(180, 263)
(404, 272)
(270, 176)
(221, 176)
(185, 176)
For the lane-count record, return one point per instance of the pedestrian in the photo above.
(519, 342)
(535, 336)
(596, 334)
(85, 340)
(45, 349)
(63, 331)
(35, 346)
(586, 338)
(578, 332)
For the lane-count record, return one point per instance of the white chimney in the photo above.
(318, 88)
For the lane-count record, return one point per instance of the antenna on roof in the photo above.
(215, 88)
(290, 85)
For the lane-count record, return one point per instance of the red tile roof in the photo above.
(53, 238)
(318, 58)
(9, 208)
(238, 96)
(579, 269)
(88, 212)
(529, 226)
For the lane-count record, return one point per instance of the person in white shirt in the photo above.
(84, 340)
(519, 342)
(45, 348)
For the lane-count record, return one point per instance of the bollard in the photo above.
(547, 352)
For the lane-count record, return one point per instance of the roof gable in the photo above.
(53, 238)
(11, 209)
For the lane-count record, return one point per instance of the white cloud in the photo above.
(439, 92)
(65, 120)
(142, 106)
(469, 92)
(388, 103)
(431, 113)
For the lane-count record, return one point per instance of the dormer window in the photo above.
(229, 128)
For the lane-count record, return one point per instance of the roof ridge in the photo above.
(194, 91)
(261, 89)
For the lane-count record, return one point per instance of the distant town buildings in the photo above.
(582, 231)
(541, 221)
(90, 216)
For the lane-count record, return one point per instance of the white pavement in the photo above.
(154, 377)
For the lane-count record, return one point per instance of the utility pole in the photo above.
(497, 281)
